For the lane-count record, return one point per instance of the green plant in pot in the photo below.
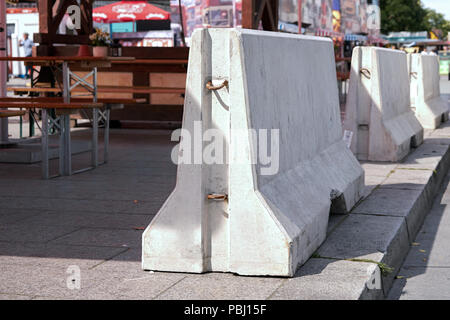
(100, 40)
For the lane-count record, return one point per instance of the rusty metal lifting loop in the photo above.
(217, 197)
(365, 72)
(414, 74)
(210, 85)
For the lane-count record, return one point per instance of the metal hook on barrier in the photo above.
(413, 74)
(365, 72)
(217, 197)
(210, 85)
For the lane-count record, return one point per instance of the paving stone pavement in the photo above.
(94, 221)
(425, 273)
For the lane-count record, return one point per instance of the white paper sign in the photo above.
(348, 135)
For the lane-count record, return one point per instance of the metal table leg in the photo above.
(94, 157)
(67, 146)
(44, 145)
(30, 125)
(20, 126)
(106, 135)
(61, 145)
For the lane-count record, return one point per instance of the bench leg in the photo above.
(94, 157)
(20, 125)
(106, 144)
(4, 130)
(44, 145)
(65, 152)
(67, 146)
(31, 124)
(61, 145)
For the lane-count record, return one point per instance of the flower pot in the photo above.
(100, 51)
(84, 51)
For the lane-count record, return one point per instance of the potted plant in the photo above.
(100, 40)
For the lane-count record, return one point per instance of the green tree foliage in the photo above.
(410, 15)
(402, 15)
(436, 20)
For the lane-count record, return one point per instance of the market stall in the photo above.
(136, 23)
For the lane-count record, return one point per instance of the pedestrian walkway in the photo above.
(425, 273)
(426, 270)
(89, 227)
(90, 222)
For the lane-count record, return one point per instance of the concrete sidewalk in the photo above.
(425, 273)
(93, 222)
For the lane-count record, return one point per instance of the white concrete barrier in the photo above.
(430, 108)
(274, 214)
(378, 110)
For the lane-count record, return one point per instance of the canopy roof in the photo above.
(129, 11)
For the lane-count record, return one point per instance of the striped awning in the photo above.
(355, 37)
(329, 33)
(378, 40)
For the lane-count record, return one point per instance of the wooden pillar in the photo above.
(299, 11)
(86, 16)
(45, 15)
(3, 69)
(256, 11)
(51, 13)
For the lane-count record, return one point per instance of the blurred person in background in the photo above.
(27, 45)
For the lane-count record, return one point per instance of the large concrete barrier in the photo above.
(430, 108)
(255, 217)
(378, 110)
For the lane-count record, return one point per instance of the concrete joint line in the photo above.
(338, 224)
(376, 187)
(275, 291)
(422, 169)
(63, 235)
(377, 215)
(433, 267)
(168, 288)
(385, 269)
(108, 259)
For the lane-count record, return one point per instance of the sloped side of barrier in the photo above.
(378, 108)
(430, 108)
(274, 214)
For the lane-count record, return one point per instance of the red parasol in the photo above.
(124, 11)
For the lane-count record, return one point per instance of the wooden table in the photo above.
(48, 124)
(85, 62)
(70, 81)
(11, 113)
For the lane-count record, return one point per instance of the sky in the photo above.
(441, 6)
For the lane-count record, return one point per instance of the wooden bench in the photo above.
(348, 59)
(110, 103)
(75, 100)
(342, 76)
(11, 113)
(50, 105)
(62, 123)
(75, 104)
(27, 90)
(100, 89)
(139, 89)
